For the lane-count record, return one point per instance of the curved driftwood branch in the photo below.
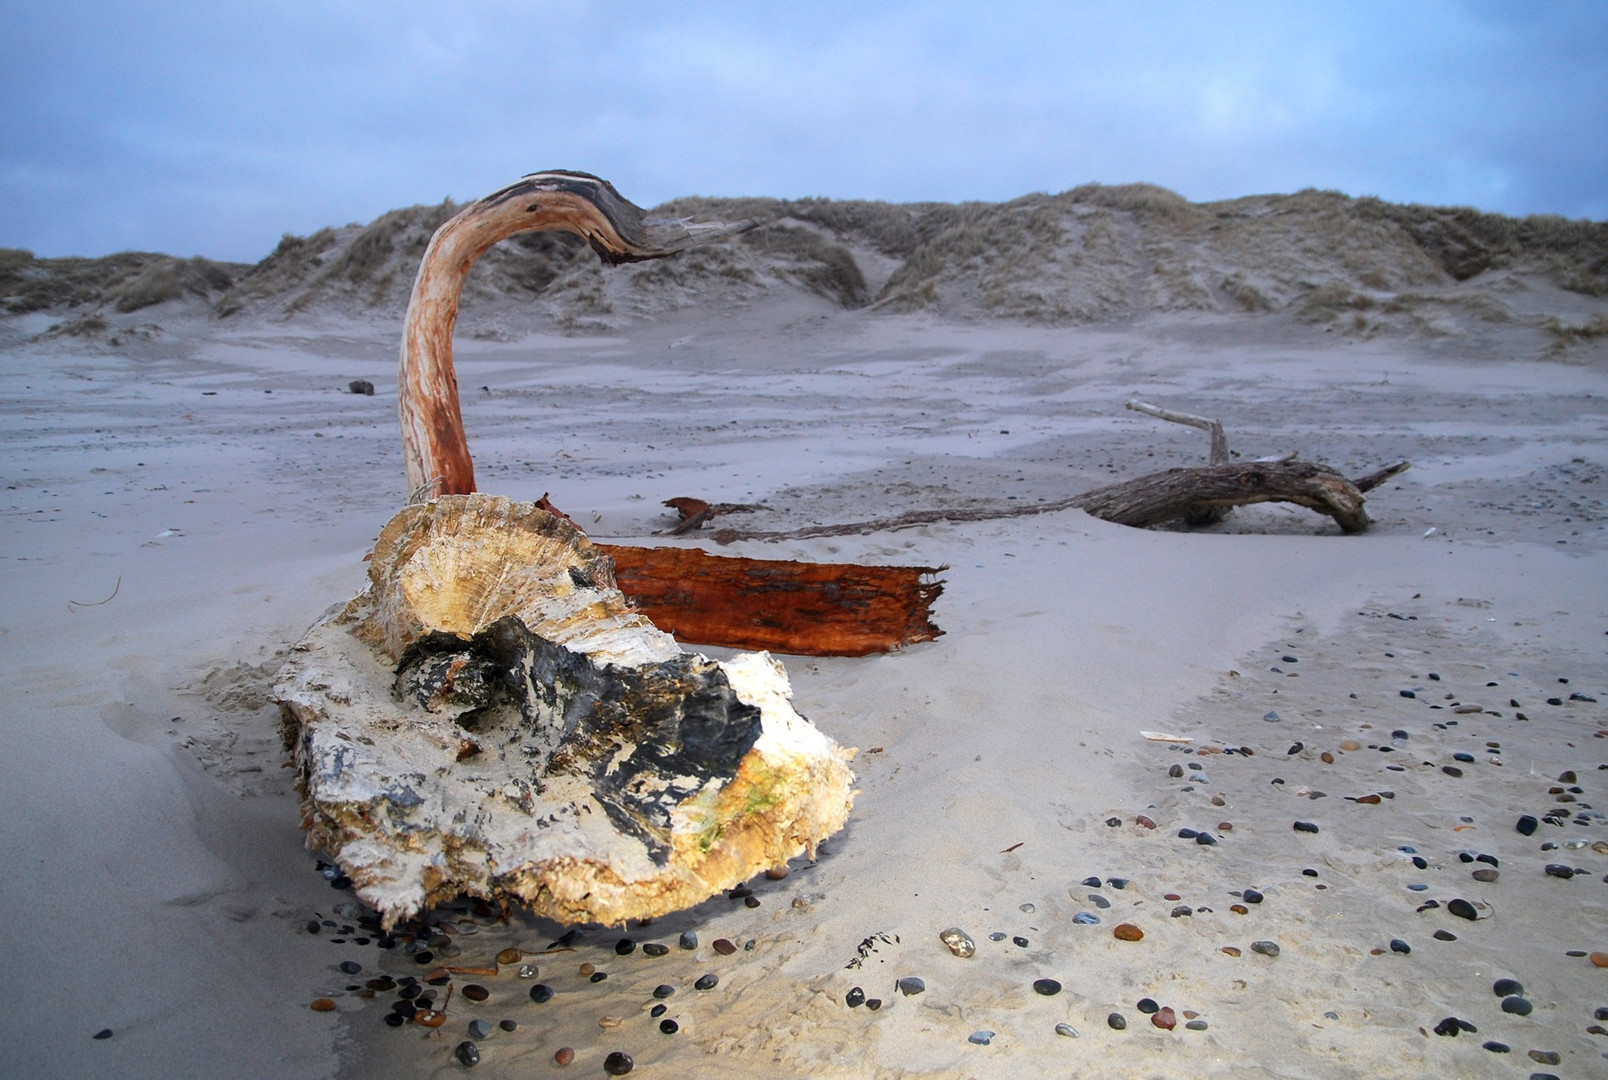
(434, 447)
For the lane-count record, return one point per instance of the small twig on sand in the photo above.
(96, 603)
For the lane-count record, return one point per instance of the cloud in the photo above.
(209, 128)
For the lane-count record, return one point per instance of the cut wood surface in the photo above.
(434, 447)
(809, 609)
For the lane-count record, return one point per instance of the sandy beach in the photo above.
(1368, 717)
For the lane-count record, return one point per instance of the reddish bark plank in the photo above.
(807, 609)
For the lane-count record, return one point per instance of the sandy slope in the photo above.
(156, 884)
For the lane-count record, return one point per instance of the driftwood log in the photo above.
(807, 608)
(1197, 496)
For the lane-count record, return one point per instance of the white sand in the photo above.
(156, 883)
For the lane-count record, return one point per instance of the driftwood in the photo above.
(1198, 496)
(433, 443)
(814, 609)
(806, 606)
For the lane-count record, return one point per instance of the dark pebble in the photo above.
(1117, 1021)
(1444, 935)
(1527, 825)
(1398, 945)
(314, 926)
(1295, 748)
(669, 1027)
(1187, 834)
(351, 967)
(1175, 771)
(1146, 1005)
(425, 957)
(1451, 770)
(706, 982)
(1600, 1014)
(1485, 874)
(1496, 1047)
(103, 1033)
(751, 901)
(468, 1054)
(1251, 896)
(1266, 948)
(1019, 941)
(563, 1055)
(1467, 759)
(476, 992)
(980, 1038)
(1047, 987)
(1305, 826)
(618, 1064)
(653, 948)
(910, 986)
(1206, 839)
(624, 947)
(1117, 882)
(1558, 870)
(1449, 1026)
(1546, 1057)
(724, 947)
(342, 882)
(479, 1029)
(873, 1004)
(408, 993)
(1517, 1006)
(854, 998)
(1407, 693)
(1182, 911)
(1091, 882)
(1420, 862)
(508, 1025)
(540, 993)
(1113, 822)
(1462, 909)
(658, 1010)
(598, 976)
(394, 1019)
(688, 940)
(1507, 987)
(663, 990)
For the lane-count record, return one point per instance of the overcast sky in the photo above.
(212, 127)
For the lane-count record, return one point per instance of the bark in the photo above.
(808, 609)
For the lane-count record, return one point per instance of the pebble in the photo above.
(1086, 918)
(1060, 1029)
(1546, 1057)
(1444, 935)
(688, 940)
(1517, 1006)
(323, 1005)
(1495, 1047)
(1047, 987)
(910, 986)
(1165, 1018)
(1271, 717)
(1148, 1006)
(1350, 744)
(1251, 896)
(1176, 771)
(1127, 932)
(669, 1027)
(959, 942)
(980, 1038)
(1206, 839)
(706, 982)
(541, 993)
(654, 948)
(479, 1029)
(854, 998)
(528, 971)
(564, 1055)
(476, 992)
(1266, 948)
(1144, 821)
(624, 947)
(1196, 1025)
(1019, 941)
(106, 1033)
(1451, 770)
(508, 1025)
(351, 967)
(468, 1054)
(997, 935)
(1485, 874)
(724, 947)
(1113, 822)
(618, 1064)
(663, 990)
(1116, 1021)
(1558, 870)
(1398, 945)
(658, 1010)
(597, 976)
(1462, 909)
(776, 873)
(1305, 826)
(873, 1004)
(1527, 825)
(1091, 882)
(609, 1022)
(1598, 959)
(1231, 950)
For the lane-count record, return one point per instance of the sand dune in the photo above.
(189, 485)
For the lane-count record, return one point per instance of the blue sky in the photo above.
(214, 127)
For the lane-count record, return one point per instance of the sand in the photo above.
(178, 509)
